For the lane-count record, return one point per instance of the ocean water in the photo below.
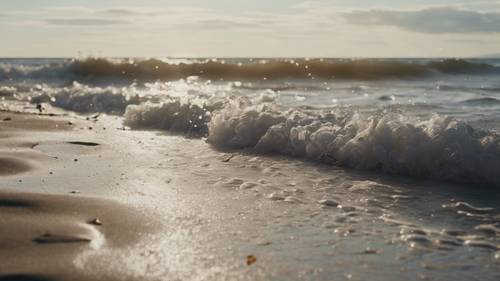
(405, 151)
(418, 117)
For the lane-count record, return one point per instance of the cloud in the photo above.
(307, 5)
(84, 22)
(151, 11)
(431, 20)
(225, 24)
(121, 12)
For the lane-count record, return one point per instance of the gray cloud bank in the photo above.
(431, 20)
(84, 22)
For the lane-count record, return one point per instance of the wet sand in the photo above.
(44, 230)
(90, 200)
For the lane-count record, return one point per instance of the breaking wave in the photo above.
(438, 148)
(84, 98)
(274, 69)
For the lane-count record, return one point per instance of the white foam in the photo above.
(174, 115)
(83, 98)
(6, 91)
(440, 147)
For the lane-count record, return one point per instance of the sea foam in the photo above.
(440, 147)
(83, 98)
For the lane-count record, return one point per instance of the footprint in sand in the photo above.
(12, 166)
(48, 226)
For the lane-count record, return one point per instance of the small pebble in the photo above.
(328, 202)
(95, 221)
(276, 197)
(369, 251)
(248, 185)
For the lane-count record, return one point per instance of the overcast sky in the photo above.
(250, 28)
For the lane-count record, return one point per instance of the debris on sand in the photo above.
(7, 119)
(228, 158)
(251, 259)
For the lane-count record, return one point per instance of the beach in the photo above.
(112, 179)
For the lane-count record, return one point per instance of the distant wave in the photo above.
(482, 101)
(467, 89)
(154, 69)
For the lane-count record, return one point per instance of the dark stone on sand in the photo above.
(96, 221)
(48, 238)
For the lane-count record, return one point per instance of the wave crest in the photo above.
(274, 69)
(175, 115)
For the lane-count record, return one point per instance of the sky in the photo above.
(250, 28)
